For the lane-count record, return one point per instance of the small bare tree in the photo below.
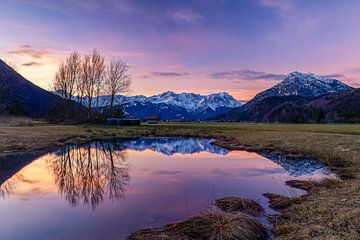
(118, 80)
(93, 71)
(80, 87)
(12, 64)
(73, 67)
(67, 76)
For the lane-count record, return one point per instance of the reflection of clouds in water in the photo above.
(29, 181)
(248, 172)
(167, 172)
(88, 173)
(163, 189)
(33, 192)
(10, 167)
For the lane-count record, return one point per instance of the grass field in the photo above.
(329, 211)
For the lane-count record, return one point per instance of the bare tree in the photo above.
(88, 77)
(67, 76)
(118, 80)
(80, 86)
(73, 67)
(93, 71)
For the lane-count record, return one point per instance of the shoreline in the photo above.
(287, 225)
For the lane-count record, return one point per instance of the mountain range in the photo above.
(301, 97)
(173, 106)
(169, 145)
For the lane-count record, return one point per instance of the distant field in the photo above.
(329, 211)
(325, 128)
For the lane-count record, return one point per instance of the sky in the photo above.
(201, 46)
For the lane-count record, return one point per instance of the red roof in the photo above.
(154, 118)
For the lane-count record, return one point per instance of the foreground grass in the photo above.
(208, 226)
(329, 211)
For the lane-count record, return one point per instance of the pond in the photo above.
(106, 190)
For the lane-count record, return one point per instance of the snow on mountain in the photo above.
(190, 101)
(171, 146)
(304, 85)
(173, 106)
(164, 145)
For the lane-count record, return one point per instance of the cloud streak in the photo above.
(246, 75)
(30, 64)
(168, 74)
(186, 16)
(336, 76)
(354, 70)
(28, 50)
(258, 75)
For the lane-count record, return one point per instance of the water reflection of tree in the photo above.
(85, 174)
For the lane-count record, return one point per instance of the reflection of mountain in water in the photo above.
(298, 168)
(10, 165)
(86, 173)
(170, 146)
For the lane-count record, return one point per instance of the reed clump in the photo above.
(208, 226)
(239, 204)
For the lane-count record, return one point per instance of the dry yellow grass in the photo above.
(329, 211)
(11, 121)
(239, 204)
(208, 226)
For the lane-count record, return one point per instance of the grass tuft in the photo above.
(279, 201)
(238, 204)
(208, 226)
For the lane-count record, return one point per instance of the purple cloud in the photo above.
(29, 64)
(247, 75)
(28, 50)
(186, 16)
(169, 74)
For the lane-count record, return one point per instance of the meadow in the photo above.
(330, 210)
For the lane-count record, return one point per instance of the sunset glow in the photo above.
(187, 46)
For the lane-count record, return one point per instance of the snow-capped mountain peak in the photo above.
(305, 85)
(170, 105)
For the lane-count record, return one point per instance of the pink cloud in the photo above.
(186, 16)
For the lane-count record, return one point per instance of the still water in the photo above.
(106, 190)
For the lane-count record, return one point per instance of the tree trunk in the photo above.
(111, 105)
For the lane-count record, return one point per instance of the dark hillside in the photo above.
(18, 96)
